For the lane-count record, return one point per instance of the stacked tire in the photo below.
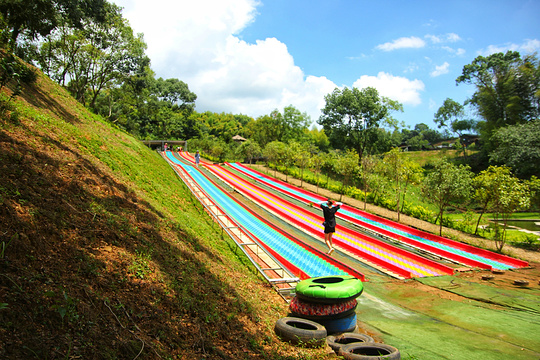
(329, 301)
(324, 306)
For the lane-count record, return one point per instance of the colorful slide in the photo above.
(300, 258)
(387, 258)
(452, 250)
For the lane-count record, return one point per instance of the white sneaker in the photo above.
(330, 251)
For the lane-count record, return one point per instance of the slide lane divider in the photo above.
(373, 250)
(300, 258)
(438, 245)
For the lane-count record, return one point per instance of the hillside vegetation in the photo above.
(105, 254)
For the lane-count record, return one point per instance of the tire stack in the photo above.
(324, 306)
(322, 303)
(329, 301)
(335, 317)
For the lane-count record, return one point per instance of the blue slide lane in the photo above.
(495, 264)
(308, 262)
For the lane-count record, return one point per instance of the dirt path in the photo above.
(531, 256)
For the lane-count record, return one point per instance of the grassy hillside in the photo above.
(105, 254)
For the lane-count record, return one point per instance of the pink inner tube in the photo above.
(319, 309)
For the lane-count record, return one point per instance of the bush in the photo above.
(527, 241)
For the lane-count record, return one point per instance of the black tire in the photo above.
(369, 351)
(300, 331)
(338, 341)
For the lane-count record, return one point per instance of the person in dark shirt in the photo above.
(197, 158)
(329, 209)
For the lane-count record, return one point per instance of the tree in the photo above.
(175, 93)
(507, 89)
(347, 166)
(370, 178)
(518, 146)
(249, 150)
(351, 116)
(401, 172)
(275, 152)
(265, 129)
(301, 157)
(534, 186)
(452, 116)
(295, 123)
(319, 138)
(97, 57)
(316, 164)
(504, 194)
(41, 17)
(447, 184)
(485, 185)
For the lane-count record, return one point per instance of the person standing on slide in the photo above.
(197, 158)
(329, 209)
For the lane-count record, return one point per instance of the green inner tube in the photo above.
(329, 288)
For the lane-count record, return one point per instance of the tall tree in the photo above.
(40, 17)
(351, 116)
(507, 89)
(94, 58)
(295, 124)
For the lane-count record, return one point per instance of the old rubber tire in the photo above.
(341, 325)
(338, 341)
(300, 331)
(369, 351)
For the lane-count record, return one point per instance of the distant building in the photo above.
(238, 138)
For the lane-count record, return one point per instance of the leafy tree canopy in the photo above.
(40, 17)
(518, 146)
(507, 89)
(350, 116)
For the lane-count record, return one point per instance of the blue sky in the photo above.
(251, 57)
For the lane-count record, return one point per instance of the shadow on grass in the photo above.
(91, 271)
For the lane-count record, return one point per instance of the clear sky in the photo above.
(251, 57)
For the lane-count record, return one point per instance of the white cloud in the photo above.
(452, 37)
(440, 70)
(196, 42)
(446, 38)
(403, 43)
(529, 46)
(397, 88)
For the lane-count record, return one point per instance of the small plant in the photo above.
(64, 305)
(141, 266)
(4, 245)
